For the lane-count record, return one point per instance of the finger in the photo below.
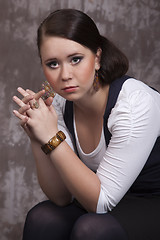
(36, 95)
(39, 94)
(20, 116)
(24, 109)
(22, 91)
(30, 92)
(41, 102)
(27, 99)
(34, 105)
(18, 101)
(49, 101)
(25, 127)
(23, 123)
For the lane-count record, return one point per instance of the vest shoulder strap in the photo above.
(114, 90)
(68, 119)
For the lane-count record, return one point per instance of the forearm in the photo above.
(83, 183)
(48, 177)
(61, 174)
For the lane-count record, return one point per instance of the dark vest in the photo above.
(148, 181)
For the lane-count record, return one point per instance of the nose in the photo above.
(66, 72)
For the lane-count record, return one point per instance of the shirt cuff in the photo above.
(101, 205)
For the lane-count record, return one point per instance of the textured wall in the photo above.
(132, 24)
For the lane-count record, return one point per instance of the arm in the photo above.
(49, 179)
(82, 189)
(80, 181)
(134, 124)
(121, 163)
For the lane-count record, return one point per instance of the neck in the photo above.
(94, 103)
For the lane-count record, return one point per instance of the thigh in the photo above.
(139, 216)
(49, 221)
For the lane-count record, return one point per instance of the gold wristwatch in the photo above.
(53, 142)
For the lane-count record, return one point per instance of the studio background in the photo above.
(132, 24)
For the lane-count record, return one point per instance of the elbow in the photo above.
(61, 202)
(92, 210)
(91, 207)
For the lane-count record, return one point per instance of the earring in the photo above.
(96, 84)
(49, 92)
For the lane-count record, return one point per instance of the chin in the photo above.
(72, 98)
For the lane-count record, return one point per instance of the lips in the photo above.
(70, 89)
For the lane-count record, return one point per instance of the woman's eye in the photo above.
(52, 65)
(76, 60)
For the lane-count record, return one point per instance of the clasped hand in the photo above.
(38, 118)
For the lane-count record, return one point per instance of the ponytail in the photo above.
(114, 64)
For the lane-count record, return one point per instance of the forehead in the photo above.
(61, 46)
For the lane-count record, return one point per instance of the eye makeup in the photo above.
(77, 59)
(52, 64)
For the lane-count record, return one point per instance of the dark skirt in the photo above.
(139, 216)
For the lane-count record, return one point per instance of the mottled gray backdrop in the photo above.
(132, 24)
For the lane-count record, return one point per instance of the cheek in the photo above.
(47, 74)
(50, 77)
(88, 71)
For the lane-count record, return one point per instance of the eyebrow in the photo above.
(76, 53)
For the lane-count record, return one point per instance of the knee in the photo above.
(42, 222)
(39, 215)
(83, 228)
(97, 226)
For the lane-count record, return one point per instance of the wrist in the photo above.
(46, 137)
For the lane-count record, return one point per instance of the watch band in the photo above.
(53, 142)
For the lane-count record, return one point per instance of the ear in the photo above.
(98, 59)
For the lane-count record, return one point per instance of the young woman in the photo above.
(97, 147)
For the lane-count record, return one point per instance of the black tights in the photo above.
(46, 221)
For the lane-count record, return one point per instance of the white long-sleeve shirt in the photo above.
(134, 123)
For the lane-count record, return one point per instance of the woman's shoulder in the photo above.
(132, 85)
(136, 103)
(136, 89)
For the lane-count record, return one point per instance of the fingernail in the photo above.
(14, 98)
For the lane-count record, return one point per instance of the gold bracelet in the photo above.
(53, 142)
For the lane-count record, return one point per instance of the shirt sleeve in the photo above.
(134, 125)
(59, 105)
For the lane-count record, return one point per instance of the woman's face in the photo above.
(69, 67)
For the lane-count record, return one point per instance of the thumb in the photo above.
(49, 101)
(51, 108)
